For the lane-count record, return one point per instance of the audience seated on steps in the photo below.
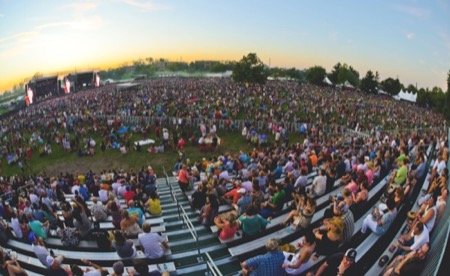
(42, 253)
(294, 263)
(153, 204)
(98, 210)
(152, 244)
(244, 201)
(360, 200)
(301, 216)
(198, 198)
(101, 236)
(319, 185)
(338, 264)
(275, 202)
(380, 220)
(96, 270)
(413, 241)
(439, 182)
(129, 224)
(441, 204)
(209, 210)
(70, 237)
(427, 213)
(136, 211)
(251, 222)
(81, 219)
(267, 264)
(329, 236)
(227, 225)
(409, 264)
(9, 264)
(124, 247)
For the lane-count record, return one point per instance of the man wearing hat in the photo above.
(338, 264)
(243, 203)
(267, 264)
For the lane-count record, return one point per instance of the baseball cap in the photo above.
(118, 267)
(50, 260)
(351, 254)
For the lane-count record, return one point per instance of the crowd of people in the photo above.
(70, 121)
(255, 196)
(247, 181)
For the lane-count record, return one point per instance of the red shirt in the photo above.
(129, 195)
(183, 176)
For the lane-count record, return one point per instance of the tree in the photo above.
(37, 75)
(250, 69)
(411, 88)
(342, 73)
(369, 83)
(448, 94)
(333, 76)
(316, 74)
(391, 86)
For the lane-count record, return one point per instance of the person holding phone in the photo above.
(295, 263)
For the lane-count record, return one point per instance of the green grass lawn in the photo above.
(61, 161)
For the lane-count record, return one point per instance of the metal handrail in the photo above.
(190, 227)
(212, 266)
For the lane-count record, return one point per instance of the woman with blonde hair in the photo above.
(329, 236)
(227, 225)
(129, 224)
(301, 217)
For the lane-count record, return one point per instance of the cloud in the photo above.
(410, 35)
(83, 23)
(412, 11)
(144, 5)
(19, 37)
(81, 6)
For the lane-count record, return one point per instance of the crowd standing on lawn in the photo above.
(247, 181)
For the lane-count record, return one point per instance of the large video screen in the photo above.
(40, 89)
(85, 80)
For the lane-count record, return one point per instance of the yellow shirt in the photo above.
(154, 207)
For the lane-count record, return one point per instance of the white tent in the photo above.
(406, 96)
(348, 85)
(380, 91)
(326, 80)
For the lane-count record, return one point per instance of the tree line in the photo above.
(251, 69)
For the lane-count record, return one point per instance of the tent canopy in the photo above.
(406, 96)
(126, 85)
(327, 81)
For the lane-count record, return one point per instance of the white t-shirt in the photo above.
(151, 243)
(320, 184)
(34, 199)
(93, 272)
(103, 195)
(420, 240)
(440, 166)
(15, 225)
(75, 188)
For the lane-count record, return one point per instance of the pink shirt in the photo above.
(369, 175)
(353, 187)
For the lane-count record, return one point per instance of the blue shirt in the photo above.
(278, 171)
(387, 220)
(268, 264)
(136, 211)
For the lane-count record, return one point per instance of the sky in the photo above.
(408, 39)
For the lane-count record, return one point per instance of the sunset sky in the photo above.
(409, 38)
